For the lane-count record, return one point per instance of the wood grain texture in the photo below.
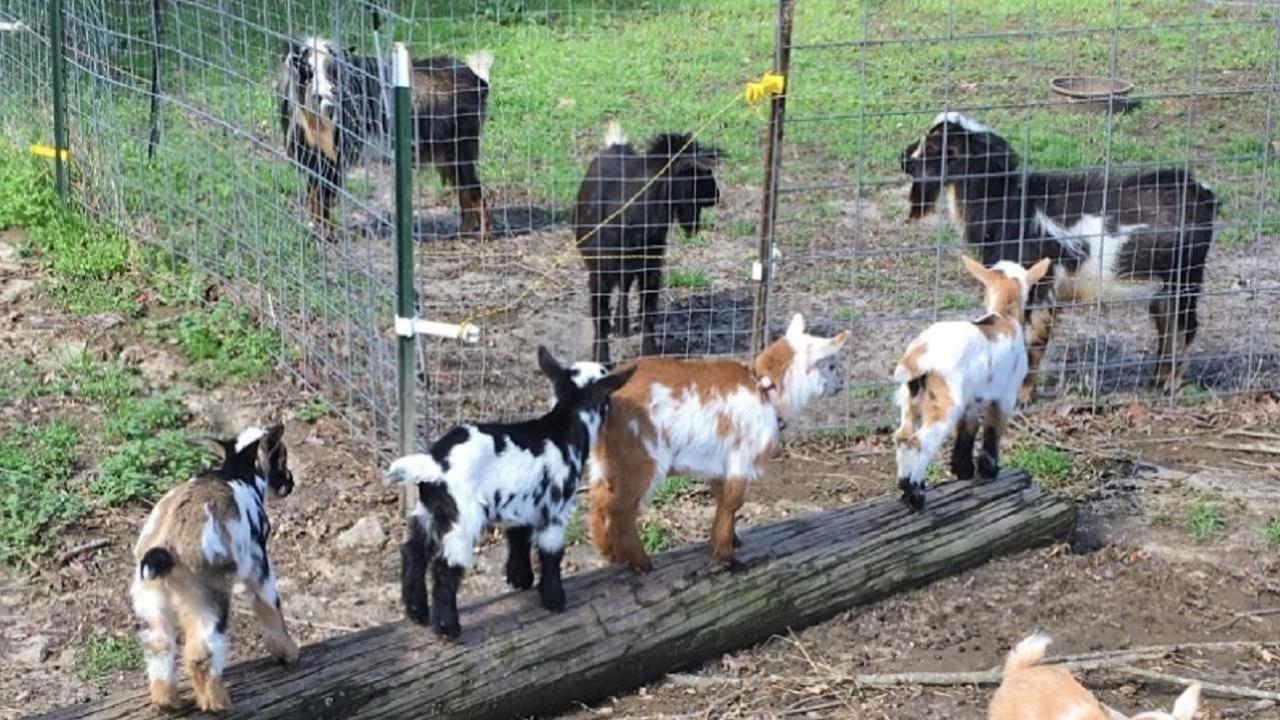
(620, 631)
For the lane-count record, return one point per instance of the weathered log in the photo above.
(621, 631)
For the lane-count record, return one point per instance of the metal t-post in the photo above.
(59, 99)
(402, 110)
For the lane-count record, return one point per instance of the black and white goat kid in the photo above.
(622, 247)
(332, 106)
(1118, 237)
(202, 538)
(521, 476)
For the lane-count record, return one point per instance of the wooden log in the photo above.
(621, 631)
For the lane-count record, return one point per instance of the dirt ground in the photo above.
(1131, 576)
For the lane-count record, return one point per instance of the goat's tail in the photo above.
(1027, 653)
(613, 134)
(413, 470)
(481, 62)
(156, 563)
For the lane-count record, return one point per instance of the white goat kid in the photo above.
(955, 370)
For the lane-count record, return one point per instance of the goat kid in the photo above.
(201, 539)
(520, 476)
(1031, 691)
(624, 245)
(715, 419)
(1113, 237)
(332, 107)
(955, 370)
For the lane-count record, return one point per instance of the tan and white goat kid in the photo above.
(1031, 691)
(199, 541)
(715, 419)
(955, 370)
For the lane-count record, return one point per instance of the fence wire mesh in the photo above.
(218, 188)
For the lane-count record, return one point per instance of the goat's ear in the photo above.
(1037, 272)
(837, 342)
(611, 383)
(548, 364)
(795, 330)
(1187, 704)
(273, 435)
(976, 269)
(243, 463)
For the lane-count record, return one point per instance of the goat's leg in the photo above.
(729, 495)
(159, 642)
(266, 607)
(1161, 315)
(627, 489)
(623, 327)
(326, 193)
(962, 451)
(650, 286)
(204, 627)
(1181, 331)
(993, 426)
(416, 551)
(550, 553)
(940, 414)
(519, 566)
(1039, 330)
(473, 215)
(445, 578)
(599, 288)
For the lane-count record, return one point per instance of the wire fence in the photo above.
(177, 135)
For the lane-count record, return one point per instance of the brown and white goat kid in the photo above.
(201, 539)
(954, 370)
(1031, 691)
(714, 419)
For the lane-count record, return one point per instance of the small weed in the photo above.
(856, 432)
(575, 530)
(685, 278)
(21, 379)
(847, 314)
(145, 467)
(1272, 532)
(742, 227)
(36, 465)
(1162, 520)
(933, 474)
(670, 489)
(313, 411)
(655, 537)
(106, 384)
(1046, 465)
(104, 654)
(1205, 521)
(143, 418)
(954, 301)
(871, 392)
(224, 345)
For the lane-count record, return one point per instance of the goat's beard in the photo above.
(317, 132)
(923, 198)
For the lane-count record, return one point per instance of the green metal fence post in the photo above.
(402, 108)
(59, 99)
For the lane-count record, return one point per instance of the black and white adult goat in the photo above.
(1112, 237)
(673, 180)
(521, 476)
(201, 539)
(332, 106)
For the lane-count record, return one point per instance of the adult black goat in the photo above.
(621, 243)
(1123, 236)
(332, 105)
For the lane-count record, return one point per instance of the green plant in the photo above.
(954, 301)
(1271, 532)
(574, 531)
(313, 411)
(685, 278)
(145, 467)
(654, 537)
(1204, 521)
(36, 466)
(106, 383)
(847, 314)
(27, 199)
(103, 654)
(224, 345)
(671, 488)
(1046, 464)
(142, 418)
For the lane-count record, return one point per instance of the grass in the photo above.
(105, 654)
(1205, 521)
(671, 488)
(1271, 532)
(687, 278)
(575, 530)
(655, 537)
(955, 301)
(102, 383)
(313, 411)
(224, 345)
(144, 468)
(37, 464)
(1047, 465)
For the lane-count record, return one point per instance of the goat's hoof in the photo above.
(164, 695)
(640, 565)
(553, 599)
(285, 652)
(215, 698)
(988, 470)
(450, 629)
(912, 494)
(520, 578)
(962, 470)
(420, 614)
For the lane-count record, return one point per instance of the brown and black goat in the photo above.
(623, 241)
(203, 538)
(332, 107)
(1113, 237)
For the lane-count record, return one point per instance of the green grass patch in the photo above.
(671, 488)
(847, 314)
(1271, 532)
(105, 383)
(313, 411)
(36, 467)
(575, 530)
(1205, 521)
(687, 278)
(144, 468)
(21, 379)
(137, 419)
(654, 537)
(1046, 464)
(105, 654)
(955, 301)
(224, 345)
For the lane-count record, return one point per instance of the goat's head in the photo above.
(953, 150)
(692, 172)
(311, 68)
(1184, 708)
(584, 386)
(801, 366)
(1006, 285)
(272, 456)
